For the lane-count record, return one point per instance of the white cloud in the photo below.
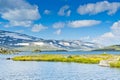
(21, 14)
(103, 6)
(83, 23)
(13, 4)
(58, 32)
(20, 23)
(105, 37)
(64, 11)
(38, 27)
(47, 11)
(116, 28)
(110, 38)
(58, 25)
(18, 12)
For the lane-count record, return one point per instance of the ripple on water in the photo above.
(11, 70)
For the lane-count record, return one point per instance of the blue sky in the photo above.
(88, 20)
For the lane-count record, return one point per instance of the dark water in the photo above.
(32, 70)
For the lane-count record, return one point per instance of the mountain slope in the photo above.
(11, 38)
(8, 38)
(73, 44)
(109, 48)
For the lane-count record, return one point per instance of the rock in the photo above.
(104, 63)
(8, 58)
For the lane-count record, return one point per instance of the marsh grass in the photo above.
(89, 59)
(115, 64)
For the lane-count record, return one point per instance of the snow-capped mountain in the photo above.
(12, 38)
(17, 39)
(70, 44)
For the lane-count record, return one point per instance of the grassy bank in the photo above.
(89, 59)
(115, 64)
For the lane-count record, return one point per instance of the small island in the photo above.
(104, 59)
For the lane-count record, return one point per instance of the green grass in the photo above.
(89, 59)
(115, 64)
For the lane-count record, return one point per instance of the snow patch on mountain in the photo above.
(16, 39)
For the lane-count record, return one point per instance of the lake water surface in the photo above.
(33, 70)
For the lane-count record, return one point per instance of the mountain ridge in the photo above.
(8, 38)
(11, 38)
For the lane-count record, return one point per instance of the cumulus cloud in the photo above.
(58, 32)
(18, 12)
(47, 11)
(58, 25)
(83, 23)
(21, 14)
(103, 6)
(64, 11)
(110, 38)
(38, 27)
(20, 23)
(106, 38)
(116, 28)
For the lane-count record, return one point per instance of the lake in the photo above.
(82, 52)
(33, 70)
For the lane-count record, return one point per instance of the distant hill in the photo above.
(109, 48)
